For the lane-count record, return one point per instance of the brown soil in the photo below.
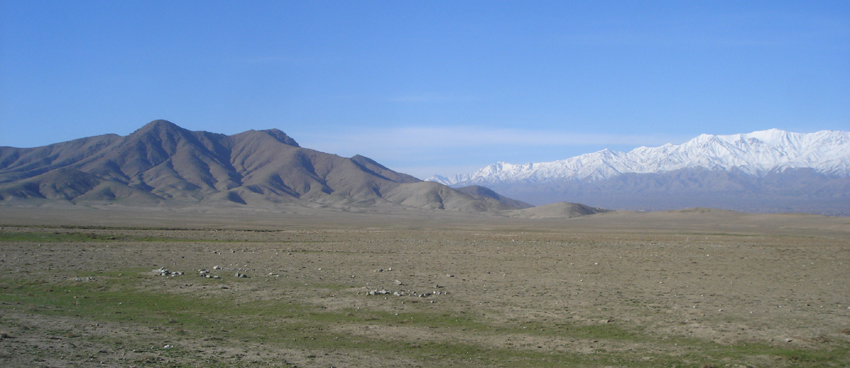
(717, 277)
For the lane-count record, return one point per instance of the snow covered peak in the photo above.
(756, 153)
(771, 136)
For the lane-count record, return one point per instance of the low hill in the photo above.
(556, 210)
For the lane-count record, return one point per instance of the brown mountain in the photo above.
(164, 163)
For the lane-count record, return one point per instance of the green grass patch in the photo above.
(83, 236)
(288, 323)
(49, 237)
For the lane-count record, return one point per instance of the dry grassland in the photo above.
(699, 288)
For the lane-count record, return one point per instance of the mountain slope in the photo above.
(766, 171)
(557, 210)
(164, 163)
(477, 190)
(757, 153)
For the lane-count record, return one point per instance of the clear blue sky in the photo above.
(426, 86)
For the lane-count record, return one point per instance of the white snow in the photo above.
(756, 153)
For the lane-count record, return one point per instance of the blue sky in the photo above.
(426, 87)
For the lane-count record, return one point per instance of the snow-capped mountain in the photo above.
(764, 171)
(756, 154)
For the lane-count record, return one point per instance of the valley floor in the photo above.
(698, 288)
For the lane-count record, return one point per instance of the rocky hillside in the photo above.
(164, 163)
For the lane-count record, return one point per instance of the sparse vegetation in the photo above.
(517, 297)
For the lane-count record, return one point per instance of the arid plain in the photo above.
(692, 288)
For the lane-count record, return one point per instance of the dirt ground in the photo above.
(701, 288)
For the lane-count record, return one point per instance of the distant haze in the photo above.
(764, 171)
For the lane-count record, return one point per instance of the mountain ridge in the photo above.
(164, 163)
(763, 171)
(756, 153)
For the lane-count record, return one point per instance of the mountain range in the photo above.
(763, 171)
(162, 164)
